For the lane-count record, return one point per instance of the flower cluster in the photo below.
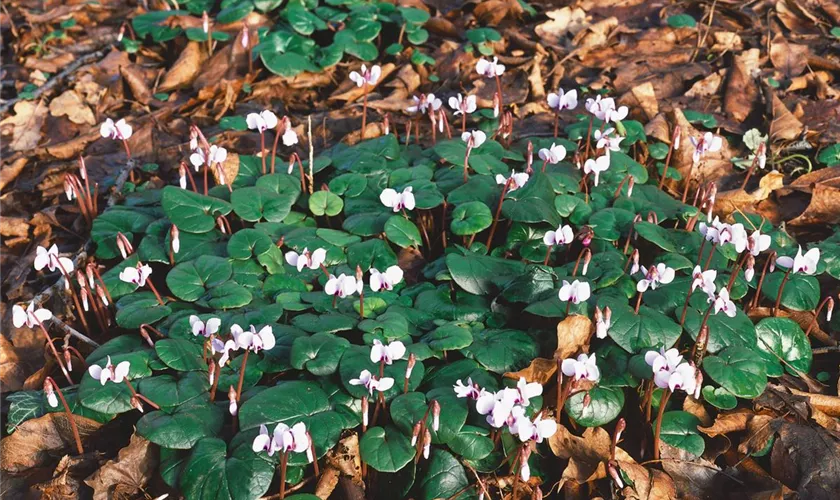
(672, 373)
(284, 439)
(249, 340)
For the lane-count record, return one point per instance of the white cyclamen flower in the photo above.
(262, 121)
(563, 100)
(554, 154)
(608, 140)
(251, 339)
(202, 328)
(517, 180)
(654, 276)
(801, 263)
(136, 275)
(119, 130)
(30, 316)
(489, 69)
(51, 260)
(110, 372)
(583, 367)
(397, 201)
(757, 243)
(385, 281)
(705, 280)
(576, 291)
(474, 138)
(369, 76)
(305, 259)
(462, 106)
(708, 143)
(387, 353)
(370, 382)
(563, 236)
(723, 303)
(342, 286)
(596, 166)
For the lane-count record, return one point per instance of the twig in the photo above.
(73, 332)
(85, 59)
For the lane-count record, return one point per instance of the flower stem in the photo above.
(55, 353)
(364, 110)
(667, 163)
(685, 305)
(206, 180)
(779, 295)
(688, 181)
(638, 302)
(154, 290)
(241, 376)
(750, 172)
(556, 123)
(262, 150)
(547, 255)
(588, 136)
(498, 212)
(662, 402)
(70, 416)
(277, 134)
(140, 396)
(283, 459)
(770, 258)
(709, 259)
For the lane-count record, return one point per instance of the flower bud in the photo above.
(82, 168)
(698, 380)
(49, 391)
(234, 406)
(124, 246)
(85, 304)
(205, 22)
(68, 360)
(193, 137)
(586, 400)
(91, 275)
(102, 295)
(615, 475)
(220, 222)
(829, 309)
(412, 359)
(359, 273)
(587, 257)
(772, 262)
(749, 270)
(524, 468)
(634, 259)
(496, 105)
(599, 315)
(135, 402)
(310, 456)
(675, 138)
(121, 34)
(246, 37)
(69, 190)
(530, 157)
(221, 174)
(365, 412)
(630, 184)
(435, 415)
(537, 494)
(415, 433)
(211, 371)
(174, 239)
(146, 337)
(427, 444)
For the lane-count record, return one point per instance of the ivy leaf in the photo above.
(192, 212)
(180, 354)
(386, 449)
(325, 203)
(481, 275)
(738, 370)
(212, 472)
(471, 218)
(319, 354)
(169, 391)
(679, 429)
(182, 428)
(289, 403)
(409, 408)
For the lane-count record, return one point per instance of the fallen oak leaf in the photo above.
(70, 103)
(25, 125)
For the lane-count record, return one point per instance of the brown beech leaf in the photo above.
(759, 432)
(823, 209)
(573, 336)
(784, 125)
(185, 69)
(230, 167)
(735, 200)
(36, 440)
(541, 371)
(830, 405)
(806, 458)
(829, 176)
(66, 478)
(694, 477)
(70, 103)
(587, 454)
(648, 484)
(343, 462)
(788, 58)
(25, 125)
(726, 423)
(741, 91)
(135, 80)
(128, 473)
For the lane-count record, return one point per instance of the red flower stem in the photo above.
(262, 150)
(667, 163)
(757, 297)
(140, 396)
(283, 459)
(700, 253)
(463, 122)
(277, 133)
(55, 353)
(685, 306)
(206, 180)
(750, 172)
(216, 378)
(547, 255)
(76, 301)
(739, 263)
(190, 177)
(662, 402)
(241, 376)
(302, 174)
(709, 259)
(638, 302)
(688, 184)
(154, 291)
(127, 151)
(364, 109)
(467, 159)
(813, 322)
(779, 295)
(648, 399)
(362, 304)
(556, 123)
(70, 416)
(588, 136)
(498, 212)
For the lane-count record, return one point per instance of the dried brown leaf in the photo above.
(186, 68)
(25, 125)
(648, 484)
(726, 423)
(735, 200)
(808, 459)
(541, 371)
(573, 336)
(70, 103)
(823, 209)
(741, 91)
(135, 80)
(791, 59)
(128, 473)
(37, 439)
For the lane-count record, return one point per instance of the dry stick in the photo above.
(662, 402)
(648, 399)
(498, 212)
(558, 412)
(69, 414)
(74, 333)
(779, 295)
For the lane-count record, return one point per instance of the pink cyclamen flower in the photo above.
(489, 69)
(723, 303)
(371, 383)
(305, 259)
(225, 348)
(576, 291)
(496, 406)
(654, 276)
(119, 130)
(525, 391)
(517, 180)
(806, 264)
(398, 201)
(757, 242)
(136, 275)
(596, 166)
(604, 109)
(563, 236)
(708, 143)
(51, 260)
(30, 316)
(342, 286)
(705, 280)
(470, 390)
(205, 329)
(369, 76)
(252, 339)
(537, 430)
(110, 372)
(387, 353)
(554, 154)
(385, 281)
(424, 103)
(608, 139)
(474, 138)
(562, 100)
(461, 105)
(584, 367)
(262, 121)
(284, 439)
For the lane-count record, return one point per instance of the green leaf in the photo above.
(402, 232)
(169, 391)
(783, 339)
(288, 403)
(604, 406)
(192, 212)
(24, 405)
(113, 398)
(414, 15)
(801, 292)
(723, 330)
(445, 476)
(609, 224)
(371, 253)
(182, 428)
(738, 370)
(409, 408)
(472, 443)
(502, 351)
(657, 235)
(189, 281)
(325, 203)
(681, 21)
(128, 221)
(830, 156)
(261, 202)
(471, 218)
(213, 473)
(448, 337)
(319, 354)
(357, 358)
(386, 449)
(139, 308)
(181, 354)
(532, 203)
(679, 429)
(719, 397)
(481, 275)
(635, 332)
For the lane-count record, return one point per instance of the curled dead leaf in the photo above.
(135, 80)
(128, 473)
(25, 125)
(541, 371)
(823, 209)
(185, 69)
(37, 440)
(573, 336)
(736, 200)
(741, 91)
(70, 103)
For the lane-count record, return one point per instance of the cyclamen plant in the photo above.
(374, 313)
